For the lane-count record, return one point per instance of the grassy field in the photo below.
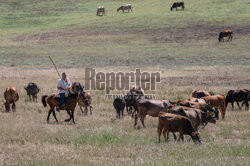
(183, 43)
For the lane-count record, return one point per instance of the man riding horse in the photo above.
(63, 86)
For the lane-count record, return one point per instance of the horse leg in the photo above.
(86, 110)
(122, 112)
(54, 114)
(232, 106)
(48, 115)
(175, 138)
(238, 104)
(73, 117)
(67, 120)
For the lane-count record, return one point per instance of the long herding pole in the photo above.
(55, 67)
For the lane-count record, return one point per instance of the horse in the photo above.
(225, 33)
(100, 11)
(127, 7)
(70, 103)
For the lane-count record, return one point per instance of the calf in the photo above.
(225, 33)
(119, 105)
(217, 101)
(32, 90)
(237, 96)
(177, 4)
(176, 123)
(85, 100)
(11, 96)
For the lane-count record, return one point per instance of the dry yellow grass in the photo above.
(101, 139)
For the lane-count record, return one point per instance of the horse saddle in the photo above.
(57, 98)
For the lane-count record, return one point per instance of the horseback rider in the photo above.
(63, 86)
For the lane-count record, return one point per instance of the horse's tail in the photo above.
(44, 100)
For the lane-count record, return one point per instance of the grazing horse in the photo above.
(237, 96)
(69, 105)
(32, 90)
(100, 11)
(85, 100)
(10, 96)
(127, 7)
(225, 33)
(177, 4)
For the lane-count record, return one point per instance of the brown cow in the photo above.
(11, 96)
(217, 101)
(225, 33)
(202, 106)
(85, 100)
(176, 123)
(201, 93)
(196, 116)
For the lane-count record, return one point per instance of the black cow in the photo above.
(238, 95)
(32, 90)
(119, 104)
(177, 4)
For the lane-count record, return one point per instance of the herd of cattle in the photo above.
(128, 7)
(184, 116)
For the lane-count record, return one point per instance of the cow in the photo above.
(202, 106)
(150, 107)
(176, 123)
(202, 93)
(177, 4)
(225, 33)
(32, 90)
(131, 99)
(217, 101)
(237, 96)
(100, 11)
(119, 105)
(127, 7)
(85, 100)
(11, 96)
(196, 116)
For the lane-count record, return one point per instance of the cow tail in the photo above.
(44, 100)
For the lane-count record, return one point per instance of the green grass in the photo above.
(72, 33)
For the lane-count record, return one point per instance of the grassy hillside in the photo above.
(72, 33)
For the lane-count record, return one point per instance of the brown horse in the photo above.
(10, 96)
(69, 105)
